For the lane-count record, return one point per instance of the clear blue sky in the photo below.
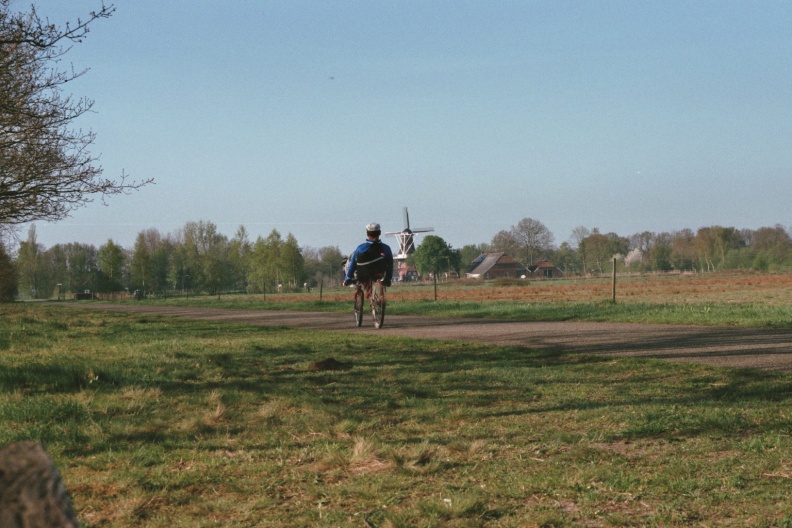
(317, 117)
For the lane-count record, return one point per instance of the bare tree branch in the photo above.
(46, 168)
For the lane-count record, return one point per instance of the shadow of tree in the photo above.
(393, 379)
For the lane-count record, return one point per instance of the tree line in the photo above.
(198, 258)
(589, 251)
(195, 258)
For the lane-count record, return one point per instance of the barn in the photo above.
(496, 265)
(544, 269)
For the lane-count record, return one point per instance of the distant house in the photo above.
(474, 264)
(544, 269)
(408, 274)
(495, 265)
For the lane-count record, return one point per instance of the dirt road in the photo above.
(724, 346)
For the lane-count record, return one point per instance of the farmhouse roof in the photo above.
(490, 260)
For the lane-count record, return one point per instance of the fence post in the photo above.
(613, 283)
(321, 285)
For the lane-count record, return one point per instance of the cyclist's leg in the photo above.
(378, 303)
(359, 301)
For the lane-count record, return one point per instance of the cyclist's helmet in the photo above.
(373, 229)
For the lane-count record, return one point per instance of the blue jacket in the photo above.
(386, 253)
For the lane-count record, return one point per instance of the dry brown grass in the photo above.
(725, 287)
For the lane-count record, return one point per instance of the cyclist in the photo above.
(372, 257)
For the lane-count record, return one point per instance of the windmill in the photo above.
(406, 238)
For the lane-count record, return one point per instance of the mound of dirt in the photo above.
(330, 364)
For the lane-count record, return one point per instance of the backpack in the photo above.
(371, 262)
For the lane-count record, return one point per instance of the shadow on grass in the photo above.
(394, 379)
(51, 378)
(396, 375)
(728, 346)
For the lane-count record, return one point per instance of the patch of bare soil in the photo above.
(329, 364)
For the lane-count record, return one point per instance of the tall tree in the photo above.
(272, 254)
(8, 277)
(660, 253)
(46, 168)
(322, 264)
(74, 266)
(505, 242)
(239, 249)
(683, 251)
(111, 259)
(331, 258)
(56, 266)
(257, 274)
(653, 249)
(435, 256)
(178, 264)
(141, 267)
(579, 234)
(595, 250)
(30, 266)
(533, 239)
(149, 265)
(206, 251)
(265, 269)
(772, 246)
(567, 259)
(599, 249)
(713, 243)
(291, 261)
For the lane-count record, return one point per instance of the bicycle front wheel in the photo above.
(378, 303)
(359, 297)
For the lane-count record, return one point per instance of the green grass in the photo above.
(165, 422)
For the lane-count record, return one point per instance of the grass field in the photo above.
(726, 299)
(172, 423)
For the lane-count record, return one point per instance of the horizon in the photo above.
(387, 235)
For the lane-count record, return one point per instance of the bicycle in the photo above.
(374, 290)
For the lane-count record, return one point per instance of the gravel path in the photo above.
(723, 346)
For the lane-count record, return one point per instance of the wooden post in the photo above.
(613, 283)
(321, 285)
(435, 286)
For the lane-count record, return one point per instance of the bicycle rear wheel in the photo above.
(378, 303)
(359, 298)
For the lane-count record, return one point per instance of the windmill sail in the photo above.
(406, 237)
